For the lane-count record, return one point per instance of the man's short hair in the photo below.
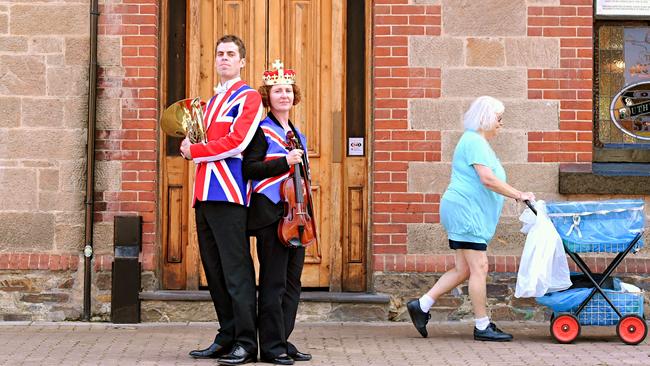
(234, 39)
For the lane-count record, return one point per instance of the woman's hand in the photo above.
(526, 196)
(294, 157)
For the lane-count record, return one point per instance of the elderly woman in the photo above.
(267, 162)
(469, 211)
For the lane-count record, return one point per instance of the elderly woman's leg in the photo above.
(419, 308)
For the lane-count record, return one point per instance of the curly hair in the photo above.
(266, 101)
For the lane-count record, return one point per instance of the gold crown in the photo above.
(279, 76)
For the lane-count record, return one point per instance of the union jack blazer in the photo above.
(277, 148)
(231, 120)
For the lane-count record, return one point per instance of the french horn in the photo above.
(184, 118)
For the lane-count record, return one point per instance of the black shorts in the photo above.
(453, 244)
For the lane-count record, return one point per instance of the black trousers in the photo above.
(279, 291)
(225, 252)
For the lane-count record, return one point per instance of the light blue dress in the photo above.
(468, 210)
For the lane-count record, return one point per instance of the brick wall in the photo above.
(44, 51)
(431, 59)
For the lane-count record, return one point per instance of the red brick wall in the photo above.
(135, 144)
(395, 145)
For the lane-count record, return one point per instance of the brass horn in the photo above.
(184, 118)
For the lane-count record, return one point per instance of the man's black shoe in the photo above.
(238, 356)
(279, 360)
(300, 356)
(214, 351)
(491, 333)
(418, 317)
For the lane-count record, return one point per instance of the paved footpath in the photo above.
(449, 343)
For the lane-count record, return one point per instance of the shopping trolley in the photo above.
(613, 226)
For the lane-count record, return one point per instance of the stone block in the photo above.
(17, 317)
(69, 238)
(428, 177)
(60, 201)
(533, 52)
(509, 146)
(499, 83)
(11, 111)
(17, 231)
(48, 179)
(109, 51)
(18, 189)
(103, 237)
(435, 51)
(534, 177)
(507, 239)
(48, 112)
(405, 285)
(22, 75)
(427, 239)
(51, 19)
(41, 144)
(485, 52)
(436, 114)
(108, 176)
(109, 114)
(67, 81)
(103, 281)
(13, 44)
(4, 24)
(531, 115)
(72, 175)
(76, 51)
(45, 297)
(17, 285)
(41, 45)
(358, 312)
(313, 311)
(484, 18)
(177, 311)
(75, 112)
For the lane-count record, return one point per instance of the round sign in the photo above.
(630, 110)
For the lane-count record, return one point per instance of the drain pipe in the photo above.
(90, 156)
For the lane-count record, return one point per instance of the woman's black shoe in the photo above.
(491, 333)
(214, 351)
(418, 317)
(300, 356)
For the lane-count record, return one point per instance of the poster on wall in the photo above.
(637, 55)
(623, 8)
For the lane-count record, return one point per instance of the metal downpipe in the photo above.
(90, 157)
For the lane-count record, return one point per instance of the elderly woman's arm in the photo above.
(495, 184)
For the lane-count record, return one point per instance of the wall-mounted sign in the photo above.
(355, 146)
(637, 54)
(630, 110)
(623, 8)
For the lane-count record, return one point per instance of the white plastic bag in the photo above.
(543, 267)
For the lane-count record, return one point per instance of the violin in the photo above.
(297, 227)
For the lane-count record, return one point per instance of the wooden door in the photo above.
(307, 35)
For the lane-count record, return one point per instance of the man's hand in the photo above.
(185, 149)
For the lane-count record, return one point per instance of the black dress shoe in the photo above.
(491, 333)
(300, 356)
(214, 351)
(238, 356)
(279, 360)
(418, 317)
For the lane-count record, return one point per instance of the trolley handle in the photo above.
(530, 205)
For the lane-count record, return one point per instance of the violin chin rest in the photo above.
(295, 242)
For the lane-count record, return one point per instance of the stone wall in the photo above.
(431, 59)
(44, 56)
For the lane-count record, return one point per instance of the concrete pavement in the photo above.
(386, 343)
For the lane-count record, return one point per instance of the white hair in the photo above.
(482, 114)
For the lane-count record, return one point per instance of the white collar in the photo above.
(222, 88)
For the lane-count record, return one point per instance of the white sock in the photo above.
(426, 302)
(482, 323)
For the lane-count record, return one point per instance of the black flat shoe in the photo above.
(418, 317)
(300, 356)
(279, 360)
(215, 350)
(491, 333)
(238, 356)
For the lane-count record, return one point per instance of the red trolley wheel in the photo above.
(565, 328)
(632, 329)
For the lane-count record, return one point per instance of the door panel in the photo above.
(307, 36)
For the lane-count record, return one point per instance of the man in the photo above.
(232, 116)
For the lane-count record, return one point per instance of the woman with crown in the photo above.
(268, 162)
